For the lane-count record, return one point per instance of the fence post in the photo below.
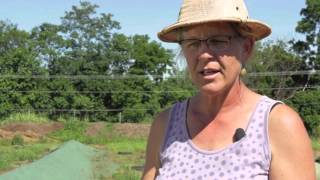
(120, 117)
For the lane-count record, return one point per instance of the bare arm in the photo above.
(155, 140)
(292, 155)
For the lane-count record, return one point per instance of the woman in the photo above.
(226, 131)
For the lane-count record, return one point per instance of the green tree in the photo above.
(309, 48)
(149, 58)
(17, 61)
(78, 46)
(177, 87)
(273, 57)
(307, 104)
(49, 44)
(309, 25)
(87, 43)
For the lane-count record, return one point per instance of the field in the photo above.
(23, 142)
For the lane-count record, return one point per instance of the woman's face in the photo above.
(214, 64)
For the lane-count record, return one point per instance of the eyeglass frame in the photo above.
(206, 40)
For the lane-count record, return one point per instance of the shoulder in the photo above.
(160, 122)
(292, 156)
(284, 120)
(155, 140)
(286, 124)
(162, 119)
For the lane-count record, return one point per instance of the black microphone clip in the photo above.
(239, 134)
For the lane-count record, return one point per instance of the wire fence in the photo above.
(142, 92)
(119, 113)
(115, 115)
(132, 76)
(111, 115)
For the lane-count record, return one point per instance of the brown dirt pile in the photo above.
(95, 128)
(28, 131)
(123, 129)
(132, 129)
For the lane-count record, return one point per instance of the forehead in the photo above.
(209, 29)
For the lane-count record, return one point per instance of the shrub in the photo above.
(17, 140)
(307, 105)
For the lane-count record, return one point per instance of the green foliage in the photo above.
(273, 57)
(176, 88)
(125, 144)
(149, 57)
(17, 57)
(316, 144)
(84, 43)
(10, 155)
(17, 140)
(279, 57)
(127, 173)
(309, 48)
(109, 141)
(73, 130)
(88, 44)
(24, 117)
(76, 130)
(307, 104)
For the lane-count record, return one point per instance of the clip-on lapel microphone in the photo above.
(239, 134)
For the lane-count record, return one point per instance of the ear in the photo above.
(247, 48)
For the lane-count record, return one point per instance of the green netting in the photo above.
(72, 161)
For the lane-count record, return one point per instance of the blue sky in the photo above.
(149, 16)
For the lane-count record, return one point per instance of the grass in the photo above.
(126, 173)
(126, 145)
(12, 156)
(316, 144)
(24, 117)
(127, 152)
(72, 130)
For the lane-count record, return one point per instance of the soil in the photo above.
(34, 131)
(95, 128)
(40, 129)
(123, 129)
(132, 129)
(28, 131)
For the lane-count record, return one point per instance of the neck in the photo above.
(211, 105)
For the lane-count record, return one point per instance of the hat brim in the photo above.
(258, 29)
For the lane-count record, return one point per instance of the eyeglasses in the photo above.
(214, 43)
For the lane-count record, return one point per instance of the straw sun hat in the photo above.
(195, 12)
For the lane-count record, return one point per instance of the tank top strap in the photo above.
(260, 115)
(174, 129)
(257, 129)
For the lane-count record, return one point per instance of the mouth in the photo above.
(209, 72)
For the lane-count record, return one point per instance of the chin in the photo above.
(212, 88)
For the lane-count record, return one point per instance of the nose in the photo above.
(204, 51)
